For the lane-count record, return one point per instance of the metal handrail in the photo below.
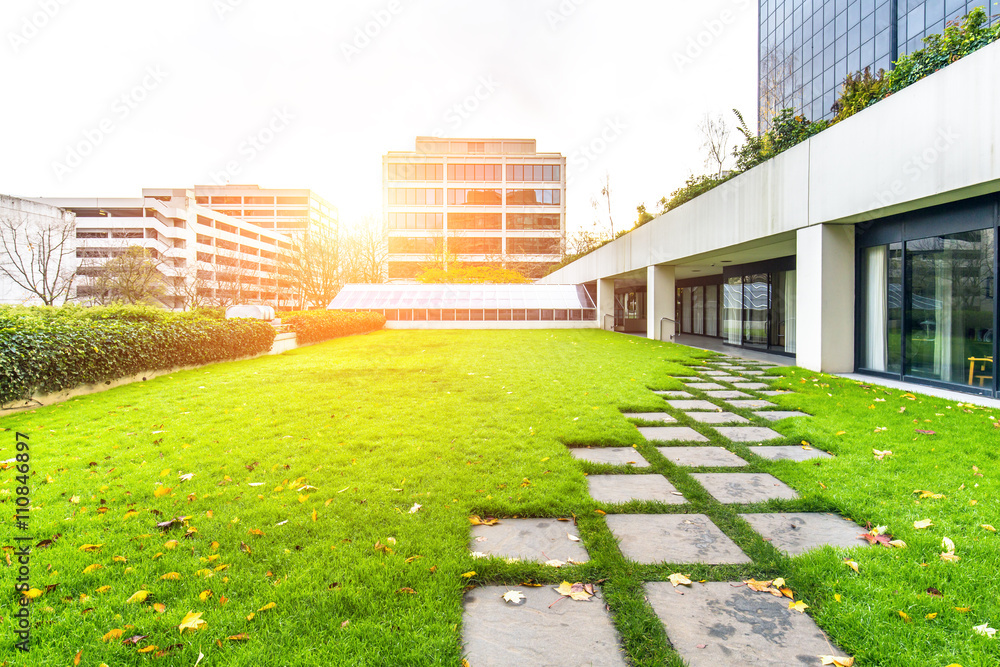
(674, 322)
(606, 316)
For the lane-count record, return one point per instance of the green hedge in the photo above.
(318, 325)
(44, 351)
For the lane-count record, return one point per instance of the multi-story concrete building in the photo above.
(48, 265)
(474, 201)
(807, 47)
(288, 211)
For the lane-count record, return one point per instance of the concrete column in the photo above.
(825, 298)
(661, 295)
(605, 302)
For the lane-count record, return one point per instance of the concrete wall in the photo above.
(35, 216)
(934, 142)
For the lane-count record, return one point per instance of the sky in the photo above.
(106, 97)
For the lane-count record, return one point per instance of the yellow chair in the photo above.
(983, 377)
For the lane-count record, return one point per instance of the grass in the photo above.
(463, 423)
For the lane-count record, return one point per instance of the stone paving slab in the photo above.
(717, 418)
(789, 453)
(726, 393)
(535, 540)
(616, 456)
(714, 373)
(673, 538)
(649, 416)
(750, 385)
(687, 378)
(737, 368)
(748, 433)
(744, 487)
(674, 394)
(625, 488)
(798, 532)
(704, 386)
(695, 457)
(752, 404)
(542, 630)
(724, 378)
(722, 623)
(778, 415)
(671, 434)
(694, 405)
(751, 372)
(775, 392)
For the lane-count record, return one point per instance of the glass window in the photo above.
(685, 310)
(712, 310)
(756, 298)
(698, 305)
(732, 311)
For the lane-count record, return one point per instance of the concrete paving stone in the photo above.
(715, 373)
(752, 404)
(671, 434)
(536, 540)
(688, 378)
(778, 415)
(717, 418)
(775, 392)
(726, 393)
(723, 623)
(724, 378)
(674, 394)
(694, 405)
(673, 538)
(649, 416)
(789, 453)
(798, 532)
(744, 487)
(750, 385)
(704, 386)
(737, 368)
(542, 630)
(624, 488)
(615, 456)
(696, 457)
(749, 372)
(748, 433)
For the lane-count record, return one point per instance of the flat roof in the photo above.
(462, 297)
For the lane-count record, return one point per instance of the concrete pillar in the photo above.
(825, 298)
(606, 303)
(660, 302)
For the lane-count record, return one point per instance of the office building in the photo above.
(288, 211)
(475, 202)
(808, 47)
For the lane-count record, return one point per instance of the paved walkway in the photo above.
(707, 623)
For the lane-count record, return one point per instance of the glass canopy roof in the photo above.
(459, 297)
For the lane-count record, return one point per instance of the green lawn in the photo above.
(460, 423)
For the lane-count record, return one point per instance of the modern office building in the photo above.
(870, 247)
(807, 47)
(474, 201)
(225, 259)
(289, 211)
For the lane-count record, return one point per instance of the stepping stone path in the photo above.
(649, 416)
(537, 540)
(744, 487)
(673, 538)
(723, 623)
(789, 453)
(671, 434)
(717, 418)
(615, 456)
(708, 624)
(624, 488)
(778, 415)
(542, 630)
(797, 533)
(748, 433)
(697, 457)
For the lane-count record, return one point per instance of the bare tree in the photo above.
(133, 276)
(313, 266)
(192, 287)
(779, 87)
(236, 278)
(715, 133)
(38, 254)
(364, 252)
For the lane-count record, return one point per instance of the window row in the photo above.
(533, 221)
(533, 246)
(534, 197)
(469, 197)
(416, 172)
(549, 173)
(252, 201)
(416, 197)
(416, 221)
(475, 172)
(475, 221)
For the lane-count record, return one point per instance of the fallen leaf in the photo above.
(488, 521)
(91, 547)
(134, 640)
(159, 607)
(572, 538)
(985, 630)
(407, 590)
(469, 575)
(988, 527)
(32, 593)
(924, 523)
(161, 491)
(836, 661)
(192, 621)
(931, 617)
(899, 544)
(242, 637)
(852, 564)
(413, 510)
(171, 576)
(678, 579)
(799, 606)
(578, 591)
(91, 568)
(269, 605)
(76, 658)
(138, 596)
(949, 557)
(554, 563)
(906, 617)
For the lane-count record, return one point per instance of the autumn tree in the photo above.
(313, 266)
(132, 276)
(364, 253)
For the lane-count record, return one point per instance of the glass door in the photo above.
(756, 305)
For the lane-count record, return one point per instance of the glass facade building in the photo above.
(807, 47)
(927, 296)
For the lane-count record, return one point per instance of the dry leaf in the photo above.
(269, 605)
(515, 597)
(242, 637)
(469, 575)
(91, 568)
(554, 563)
(171, 576)
(924, 523)
(572, 538)
(852, 564)
(799, 606)
(192, 621)
(161, 491)
(578, 591)
(988, 527)
(906, 617)
(985, 630)
(138, 596)
(488, 521)
(836, 661)
(91, 547)
(112, 635)
(678, 579)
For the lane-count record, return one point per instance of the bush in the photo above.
(45, 350)
(318, 325)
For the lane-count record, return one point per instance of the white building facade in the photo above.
(21, 223)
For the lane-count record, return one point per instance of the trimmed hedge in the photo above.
(319, 325)
(44, 351)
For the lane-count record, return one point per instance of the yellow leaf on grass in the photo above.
(488, 521)
(906, 617)
(161, 491)
(963, 610)
(91, 547)
(837, 597)
(468, 575)
(120, 559)
(148, 649)
(269, 605)
(988, 527)
(103, 589)
(171, 545)
(851, 564)
(304, 497)
(32, 594)
(250, 616)
(159, 607)
(836, 661)
(242, 637)
(678, 579)
(91, 568)
(924, 523)
(204, 595)
(314, 515)
(112, 635)
(931, 617)
(192, 621)
(171, 576)
(799, 606)
(138, 596)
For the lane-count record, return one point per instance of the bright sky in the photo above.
(105, 97)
